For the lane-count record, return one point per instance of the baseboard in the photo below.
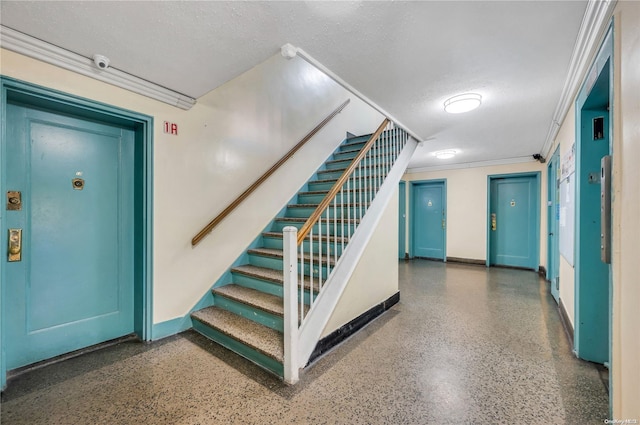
(344, 332)
(566, 322)
(466, 261)
(170, 327)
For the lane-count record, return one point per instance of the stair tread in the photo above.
(316, 205)
(259, 337)
(304, 219)
(266, 302)
(324, 237)
(278, 253)
(272, 275)
(320, 192)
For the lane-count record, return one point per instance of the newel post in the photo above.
(290, 268)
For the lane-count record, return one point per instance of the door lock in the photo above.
(14, 200)
(493, 222)
(15, 245)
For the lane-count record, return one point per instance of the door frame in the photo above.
(142, 125)
(412, 186)
(553, 247)
(604, 57)
(402, 221)
(490, 178)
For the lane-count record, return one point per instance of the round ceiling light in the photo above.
(446, 154)
(462, 103)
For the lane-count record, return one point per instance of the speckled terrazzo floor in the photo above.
(465, 345)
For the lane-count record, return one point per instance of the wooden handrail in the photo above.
(213, 223)
(306, 227)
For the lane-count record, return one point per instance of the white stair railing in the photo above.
(327, 232)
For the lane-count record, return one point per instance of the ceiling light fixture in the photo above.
(462, 103)
(446, 154)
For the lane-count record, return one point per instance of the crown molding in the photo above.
(476, 164)
(593, 29)
(37, 49)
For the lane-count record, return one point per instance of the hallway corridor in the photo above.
(465, 345)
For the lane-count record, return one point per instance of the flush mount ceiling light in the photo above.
(462, 103)
(446, 154)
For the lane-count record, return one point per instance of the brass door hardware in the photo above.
(14, 200)
(493, 222)
(15, 245)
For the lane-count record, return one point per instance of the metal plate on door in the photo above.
(78, 184)
(14, 200)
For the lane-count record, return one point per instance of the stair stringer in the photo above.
(318, 317)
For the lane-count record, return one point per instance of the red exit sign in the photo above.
(171, 128)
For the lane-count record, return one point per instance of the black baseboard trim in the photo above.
(344, 332)
(566, 323)
(466, 261)
(542, 271)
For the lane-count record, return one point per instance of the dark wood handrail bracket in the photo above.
(304, 230)
(209, 227)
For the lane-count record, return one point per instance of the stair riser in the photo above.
(277, 264)
(381, 156)
(345, 155)
(336, 174)
(350, 196)
(263, 285)
(236, 346)
(345, 228)
(302, 212)
(276, 243)
(315, 186)
(367, 162)
(318, 186)
(251, 313)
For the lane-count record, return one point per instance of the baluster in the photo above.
(301, 281)
(311, 267)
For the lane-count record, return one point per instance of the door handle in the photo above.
(493, 222)
(443, 224)
(15, 245)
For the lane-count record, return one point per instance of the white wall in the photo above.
(467, 206)
(228, 139)
(375, 278)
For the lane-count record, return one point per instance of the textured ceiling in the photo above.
(408, 57)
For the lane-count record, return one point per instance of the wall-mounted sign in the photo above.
(171, 128)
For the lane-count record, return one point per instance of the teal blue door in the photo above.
(513, 221)
(402, 220)
(429, 220)
(74, 284)
(593, 288)
(553, 225)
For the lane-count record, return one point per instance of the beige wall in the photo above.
(467, 206)
(375, 278)
(626, 210)
(227, 140)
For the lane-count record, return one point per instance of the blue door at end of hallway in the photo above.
(73, 286)
(512, 222)
(429, 220)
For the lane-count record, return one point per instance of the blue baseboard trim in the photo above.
(171, 327)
